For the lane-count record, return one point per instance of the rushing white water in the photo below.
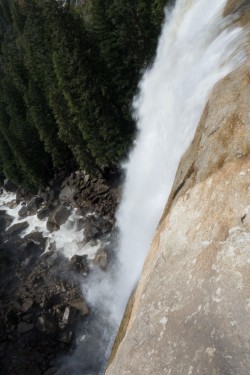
(196, 49)
(69, 240)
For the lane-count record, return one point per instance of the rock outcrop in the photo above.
(42, 307)
(190, 312)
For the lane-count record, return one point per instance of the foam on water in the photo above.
(69, 240)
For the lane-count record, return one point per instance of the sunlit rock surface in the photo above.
(191, 313)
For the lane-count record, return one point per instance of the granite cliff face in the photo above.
(190, 313)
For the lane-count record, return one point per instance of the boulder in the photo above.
(37, 238)
(80, 263)
(69, 315)
(80, 305)
(31, 249)
(24, 327)
(66, 194)
(26, 304)
(57, 218)
(101, 259)
(66, 336)
(10, 186)
(5, 219)
(33, 205)
(12, 204)
(51, 226)
(23, 212)
(44, 212)
(47, 324)
(16, 229)
(91, 230)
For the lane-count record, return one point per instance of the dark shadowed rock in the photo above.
(31, 250)
(69, 315)
(91, 230)
(44, 212)
(66, 336)
(34, 205)
(9, 186)
(36, 237)
(5, 221)
(46, 324)
(24, 327)
(26, 304)
(16, 229)
(23, 212)
(80, 263)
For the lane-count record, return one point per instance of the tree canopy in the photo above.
(68, 75)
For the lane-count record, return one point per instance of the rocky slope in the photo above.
(42, 304)
(190, 312)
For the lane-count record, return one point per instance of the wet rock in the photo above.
(26, 304)
(34, 205)
(66, 336)
(27, 318)
(67, 193)
(5, 220)
(31, 249)
(46, 324)
(91, 230)
(52, 227)
(50, 196)
(69, 315)
(16, 229)
(101, 259)
(80, 305)
(23, 212)
(53, 300)
(57, 218)
(37, 238)
(9, 186)
(12, 204)
(24, 327)
(105, 226)
(44, 212)
(61, 215)
(79, 263)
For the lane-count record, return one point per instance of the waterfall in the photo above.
(196, 49)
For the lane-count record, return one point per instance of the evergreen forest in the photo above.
(68, 73)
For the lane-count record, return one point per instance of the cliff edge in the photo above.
(190, 312)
